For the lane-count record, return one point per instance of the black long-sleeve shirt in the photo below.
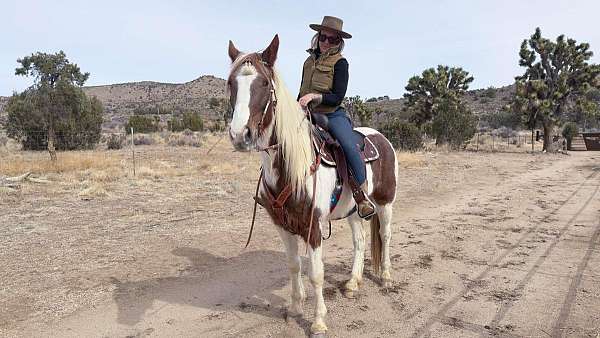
(340, 83)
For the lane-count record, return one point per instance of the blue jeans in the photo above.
(340, 128)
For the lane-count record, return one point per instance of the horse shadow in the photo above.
(243, 283)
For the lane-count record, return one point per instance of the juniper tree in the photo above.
(556, 73)
(434, 87)
(56, 91)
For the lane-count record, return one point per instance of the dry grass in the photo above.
(93, 190)
(39, 162)
(410, 159)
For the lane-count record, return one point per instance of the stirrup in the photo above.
(369, 215)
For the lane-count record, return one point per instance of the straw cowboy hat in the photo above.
(333, 23)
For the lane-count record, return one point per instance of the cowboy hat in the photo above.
(332, 23)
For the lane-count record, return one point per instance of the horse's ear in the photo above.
(233, 52)
(269, 55)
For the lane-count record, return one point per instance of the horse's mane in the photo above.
(291, 127)
(293, 133)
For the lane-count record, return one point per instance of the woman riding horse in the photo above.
(324, 83)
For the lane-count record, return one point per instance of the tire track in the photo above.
(541, 259)
(421, 331)
(565, 309)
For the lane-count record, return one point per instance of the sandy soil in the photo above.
(484, 244)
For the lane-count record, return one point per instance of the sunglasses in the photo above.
(334, 40)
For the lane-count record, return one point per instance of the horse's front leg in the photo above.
(316, 275)
(358, 239)
(294, 264)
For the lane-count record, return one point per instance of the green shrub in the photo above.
(403, 135)
(569, 131)
(115, 141)
(191, 121)
(142, 124)
(78, 127)
(454, 124)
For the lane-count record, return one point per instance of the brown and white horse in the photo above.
(267, 117)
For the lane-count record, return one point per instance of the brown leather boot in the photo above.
(365, 207)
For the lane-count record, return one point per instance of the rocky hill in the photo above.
(480, 101)
(123, 100)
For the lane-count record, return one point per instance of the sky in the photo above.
(178, 41)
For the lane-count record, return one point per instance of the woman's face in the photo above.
(328, 35)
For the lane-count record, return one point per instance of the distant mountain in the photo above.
(481, 101)
(122, 100)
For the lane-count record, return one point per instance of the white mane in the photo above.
(292, 131)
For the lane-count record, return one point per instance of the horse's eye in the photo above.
(265, 83)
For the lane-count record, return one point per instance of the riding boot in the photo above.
(364, 206)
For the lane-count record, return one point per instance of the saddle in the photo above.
(331, 152)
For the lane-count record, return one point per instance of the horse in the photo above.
(267, 118)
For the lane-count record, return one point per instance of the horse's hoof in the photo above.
(351, 288)
(386, 279)
(350, 294)
(318, 330)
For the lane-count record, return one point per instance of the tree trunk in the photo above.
(51, 141)
(548, 137)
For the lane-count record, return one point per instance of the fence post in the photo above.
(133, 151)
(493, 141)
(477, 141)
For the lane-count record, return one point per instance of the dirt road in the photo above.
(483, 245)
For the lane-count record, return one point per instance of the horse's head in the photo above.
(251, 88)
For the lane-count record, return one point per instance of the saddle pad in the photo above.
(368, 152)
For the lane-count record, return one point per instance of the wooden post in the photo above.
(477, 141)
(493, 141)
(532, 140)
(133, 151)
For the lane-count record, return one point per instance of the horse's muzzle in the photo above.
(241, 141)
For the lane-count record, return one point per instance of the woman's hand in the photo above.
(306, 99)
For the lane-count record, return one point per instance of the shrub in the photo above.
(115, 141)
(142, 124)
(217, 126)
(454, 124)
(78, 127)
(143, 140)
(569, 131)
(504, 118)
(403, 135)
(191, 121)
(184, 139)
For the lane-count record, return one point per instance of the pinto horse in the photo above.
(266, 117)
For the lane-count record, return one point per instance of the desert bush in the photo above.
(569, 131)
(191, 121)
(78, 128)
(504, 132)
(217, 126)
(142, 124)
(454, 124)
(115, 141)
(403, 135)
(504, 118)
(183, 139)
(143, 140)
(3, 140)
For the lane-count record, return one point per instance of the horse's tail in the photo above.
(376, 244)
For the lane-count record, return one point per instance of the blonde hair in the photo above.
(292, 131)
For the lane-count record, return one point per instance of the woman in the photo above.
(324, 83)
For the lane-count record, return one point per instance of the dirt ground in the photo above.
(484, 244)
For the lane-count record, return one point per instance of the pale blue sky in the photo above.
(177, 41)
